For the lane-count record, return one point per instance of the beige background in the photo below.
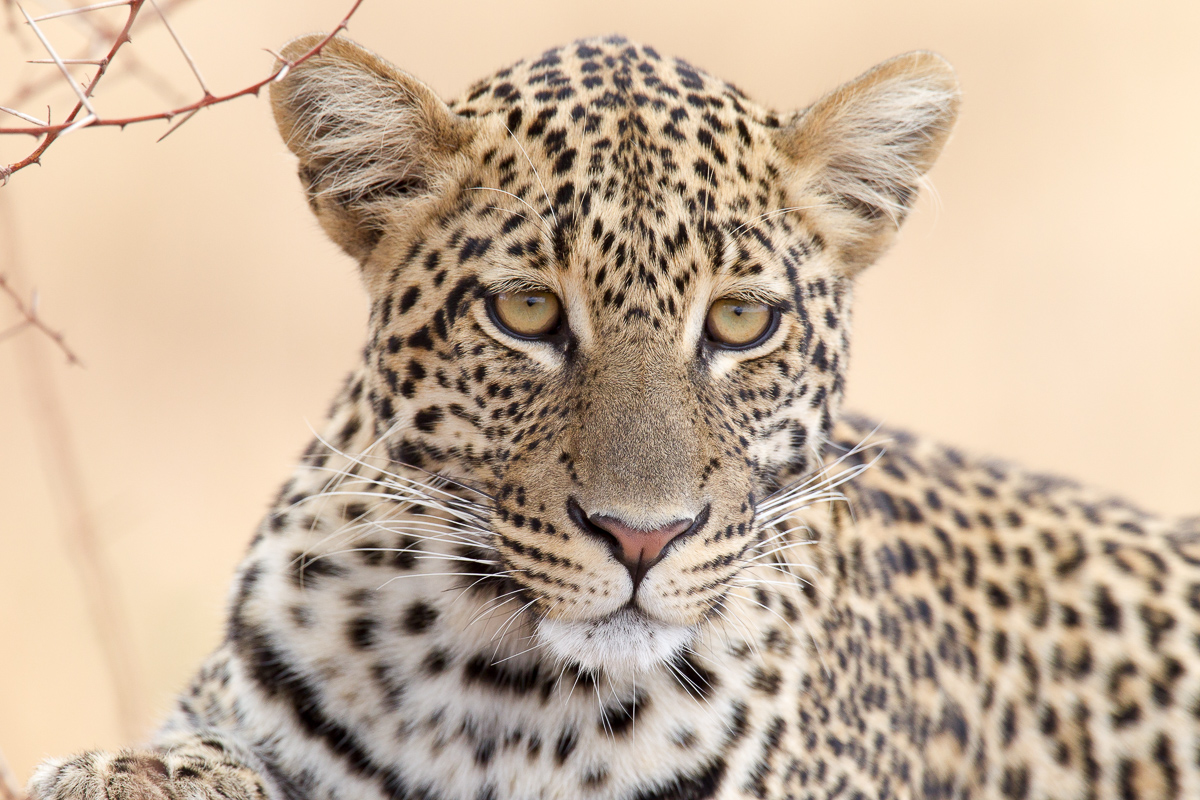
(1043, 308)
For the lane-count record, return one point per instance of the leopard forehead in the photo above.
(625, 180)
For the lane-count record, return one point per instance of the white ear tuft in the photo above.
(366, 134)
(865, 146)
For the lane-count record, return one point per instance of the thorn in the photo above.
(177, 125)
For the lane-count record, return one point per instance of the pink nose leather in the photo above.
(637, 546)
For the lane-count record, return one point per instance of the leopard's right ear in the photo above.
(371, 139)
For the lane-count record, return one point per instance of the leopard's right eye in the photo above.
(738, 324)
(526, 315)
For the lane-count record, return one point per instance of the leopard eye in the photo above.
(526, 315)
(739, 324)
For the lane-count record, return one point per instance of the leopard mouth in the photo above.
(625, 643)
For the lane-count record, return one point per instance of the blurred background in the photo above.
(1044, 306)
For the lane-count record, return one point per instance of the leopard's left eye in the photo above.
(739, 324)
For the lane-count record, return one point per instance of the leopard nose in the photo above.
(637, 549)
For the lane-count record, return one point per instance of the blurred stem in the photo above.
(8, 782)
(78, 530)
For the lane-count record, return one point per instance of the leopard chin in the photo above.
(620, 646)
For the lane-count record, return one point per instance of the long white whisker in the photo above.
(499, 573)
(775, 213)
(549, 203)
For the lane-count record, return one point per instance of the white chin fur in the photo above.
(623, 645)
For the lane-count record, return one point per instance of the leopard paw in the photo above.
(143, 775)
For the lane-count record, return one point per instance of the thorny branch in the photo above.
(84, 114)
(49, 133)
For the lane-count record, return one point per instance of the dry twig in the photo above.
(65, 478)
(29, 313)
(49, 133)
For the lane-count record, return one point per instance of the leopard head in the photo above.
(614, 292)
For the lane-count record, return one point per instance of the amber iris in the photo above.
(527, 314)
(738, 323)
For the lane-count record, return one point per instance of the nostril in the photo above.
(638, 546)
(637, 549)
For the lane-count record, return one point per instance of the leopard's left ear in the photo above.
(371, 139)
(859, 153)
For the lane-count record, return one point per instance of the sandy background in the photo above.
(1044, 308)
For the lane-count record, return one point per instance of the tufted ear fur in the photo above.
(370, 138)
(860, 152)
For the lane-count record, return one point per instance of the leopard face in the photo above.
(610, 294)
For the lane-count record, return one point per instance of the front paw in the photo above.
(140, 775)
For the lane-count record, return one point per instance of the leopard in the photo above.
(588, 519)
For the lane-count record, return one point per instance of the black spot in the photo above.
(564, 195)
(698, 785)
(409, 298)
(421, 339)
(308, 574)
(996, 596)
(617, 719)
(427, 419)
(1108, 613)
(361, 632)
(419, 616)
(500, 675)
(473, 248)
(692, 678)
(565, 161)
(436, 662)
(566, 745)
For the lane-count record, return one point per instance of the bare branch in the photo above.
(25, 117)
(94, 61)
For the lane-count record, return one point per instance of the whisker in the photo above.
(536, 174)
(500, 573)
(775, 213)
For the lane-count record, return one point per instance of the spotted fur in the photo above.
(854, 613)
